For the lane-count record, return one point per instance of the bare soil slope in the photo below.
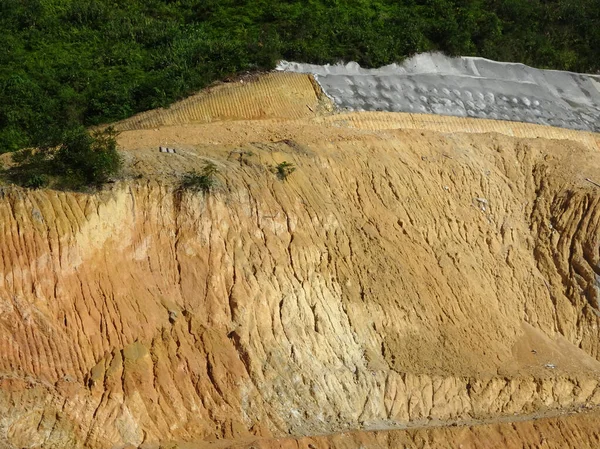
(397, 278)
(272, 95)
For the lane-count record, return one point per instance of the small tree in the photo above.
(30, 169)
(85, 160)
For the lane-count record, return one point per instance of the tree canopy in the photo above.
(71, 63)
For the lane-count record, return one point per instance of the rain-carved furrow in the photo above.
(569, 240)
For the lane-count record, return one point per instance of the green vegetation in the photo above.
(82, 161)
(71, 63)
(283, 170)
(205, 181)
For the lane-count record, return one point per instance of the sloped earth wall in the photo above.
(396, 277)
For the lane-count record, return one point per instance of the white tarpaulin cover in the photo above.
(432, 83)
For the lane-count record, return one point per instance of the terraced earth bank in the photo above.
(416, 282)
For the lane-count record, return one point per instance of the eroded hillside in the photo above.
(398, 278)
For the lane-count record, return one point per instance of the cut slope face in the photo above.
(272, 96)
(396, 277)
(473, 87)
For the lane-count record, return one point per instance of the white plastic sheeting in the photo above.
(432, 83)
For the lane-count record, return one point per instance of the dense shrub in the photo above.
(83, 160)
(203, 181)
(283, 170)
(68, 63)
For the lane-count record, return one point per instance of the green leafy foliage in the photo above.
(71, 63)
(283, 170)
(83, 160)
(203, 181)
